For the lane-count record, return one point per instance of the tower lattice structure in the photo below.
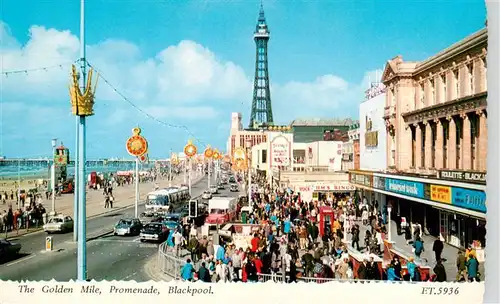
(262, 112)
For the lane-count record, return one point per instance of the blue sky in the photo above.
(191, 62)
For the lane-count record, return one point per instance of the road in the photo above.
(108, 257)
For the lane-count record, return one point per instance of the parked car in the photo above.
(206, 195)
(214, 190)
(233, 188)
(232, 179)
(131, 226)
(59, 223)
(8, 250)
(154, 232)
(220, 186)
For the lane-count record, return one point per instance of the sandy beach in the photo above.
(26, 184)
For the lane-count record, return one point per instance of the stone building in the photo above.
(436, 109)
(436, 135)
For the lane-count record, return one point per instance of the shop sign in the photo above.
(334, 187)
(361, 179)
(379, 182)
(463, 176)
(371, 139)
(302, 189)
(441, 194)
(409, 188)
(280, 151)
(469, 199)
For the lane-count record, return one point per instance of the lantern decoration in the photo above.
(82, 103)
(137, 145)
(174, 159)
(143, 158)
(61, 157)
(216, 155)
(209, 153)
(239, 159)
(190, 149)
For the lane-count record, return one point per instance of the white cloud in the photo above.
(183, 84)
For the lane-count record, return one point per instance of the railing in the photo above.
(171, 265)
(168, 263)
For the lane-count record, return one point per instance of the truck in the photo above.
(221, 210)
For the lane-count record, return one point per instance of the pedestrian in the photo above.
(111, 200)
(187, 271)
(472, 268)
(391, 273)
(412, 269)
(418, 247)
(461, 269)
(440, 272)
(355, 236)
(437, 247)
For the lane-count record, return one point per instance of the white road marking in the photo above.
(21, 260)
(129, 276)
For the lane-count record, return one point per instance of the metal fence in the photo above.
(168, 263)
(171, 265)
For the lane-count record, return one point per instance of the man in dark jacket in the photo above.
(355, 236)
(204, 274)
(308, 263)
(437, 247)
(461, 269)
(362, 269)
(193, 248)
(440, 272)
(372, 271)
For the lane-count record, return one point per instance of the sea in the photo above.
(43, 172)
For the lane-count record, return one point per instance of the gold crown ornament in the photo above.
(190, 149)
(82, 104)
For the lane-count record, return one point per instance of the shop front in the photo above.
(324, 191)
(455, 213)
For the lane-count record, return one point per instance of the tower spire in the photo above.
(261, 104)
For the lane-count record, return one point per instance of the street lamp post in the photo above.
(82, 105)
(208, 157)
(137, 146)
(190, 151)
(170, 169)
(53, 176)
(249, 149)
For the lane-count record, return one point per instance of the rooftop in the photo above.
(316, 122)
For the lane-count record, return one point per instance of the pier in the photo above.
(44, 163)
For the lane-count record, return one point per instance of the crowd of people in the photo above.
(288, 244)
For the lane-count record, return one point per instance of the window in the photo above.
(413, 146)
(433, 91)
(458, 142)
(422, 146)
(421, 94)
(433, 148)
(445, 142)
(264, 156)
(443, 83)
(474, 137)
(456, 82)
(470, 77)
(393, 97)
(485, 68)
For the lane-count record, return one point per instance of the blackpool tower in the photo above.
(262, 112)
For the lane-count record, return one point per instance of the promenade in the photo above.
(449, 252)
(124, 197)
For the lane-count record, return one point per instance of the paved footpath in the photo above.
(124, 198)
(449, 252)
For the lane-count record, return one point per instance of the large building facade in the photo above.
(436, 140)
